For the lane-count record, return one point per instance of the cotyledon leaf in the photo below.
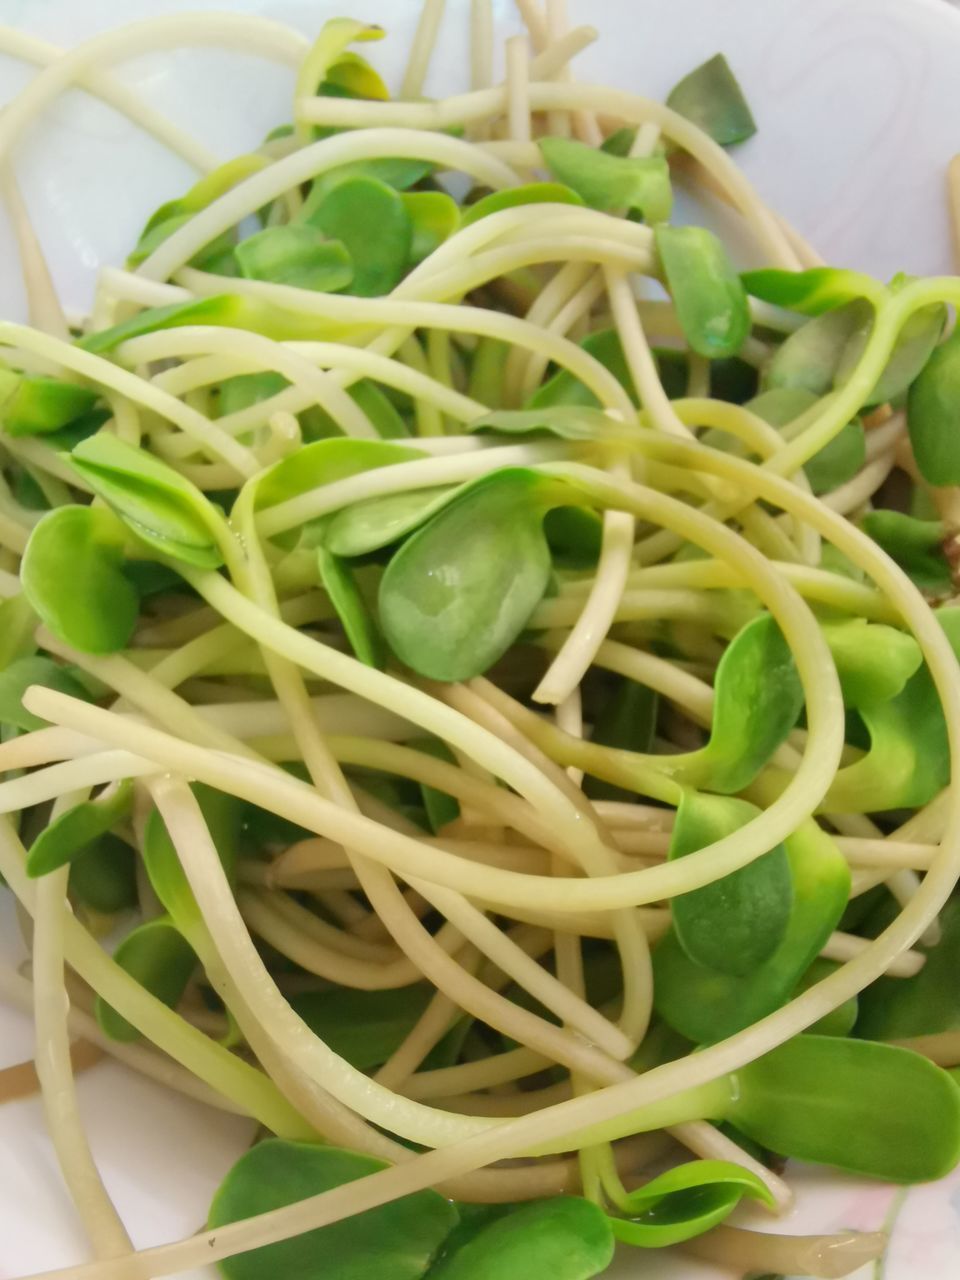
(69, 835)
(710, 301)
(874, 662)
(372, 222)
(711, 97)
(38, 405)
(103, 876)
(461, 589)
(933, 415)
(158, 955)
(434, 217)
(514, 197)
(686, 1201)
(351, 608)
(810, 292)
(563, 1238)
(72, 575)
(399, 1239)
(918, 547)
(737, 922)
(223, 815)
(705, 1005)
(839, 460)
(161, 507)
(365, 1027)
(927, 1002)
(17, 678)
(611, 182)
(295, 254)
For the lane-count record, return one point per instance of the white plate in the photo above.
(858, 103)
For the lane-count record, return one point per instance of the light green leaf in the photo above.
(711, 97)
(17, 678)
(611, 182)
(371, 220)
(811, 292)
(38, 405)
(710, 301)
(916, 545)
(434, 217)
(563, 1238)
(686, 1201)
(157, 504)
(72, 575)
(517, 197)
(351, 608)
(73, 832)
(933, 415)
(298, 255)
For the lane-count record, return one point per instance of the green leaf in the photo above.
(916, 545)
(324, 462)
(686, 1201)
(711, 97)
(933, 414)
(365, 1027)
(620, 142)
(758, 699)
(164, 510)
(297, 255)
(839, 1021)
(72, 575)
(37, 405)
(463, 586)
(104, 876)
(871, 1109)
(246, 389)
(928, 1002)
(908, 759)
(811, 356)
(175, 213)
(834, 464)
(434, 217)
(371, 220)
(810, 292)
(367, 526)
(229, 310)
(379, 409)
(440, 808)
(711, 302)
(611, 182)
(563, 1238)
(516, 197)
(223, 815)
(738, 921)
(355, 617)
(397, 172)
(914, 347)
(399, 1239)
(72, 833)
(705, 1005)
(159, 957)
(627, 720)
(568, 422)
(17, 678)
(18, 622)
(564, 389)
(874, 662)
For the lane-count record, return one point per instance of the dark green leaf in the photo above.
(928, 1002)
(758, 699)
(365, 1027)
(370, 219)
(611, 182)
(706, 1006)
(839, 1021)
(223, 815)
(246, 389)
(737, 922)
(164, 510)
(871, 1109)
(711, 302)
(158, 956)
(398, 1240)
(834, 464)
(916, 545)
(104, 876)
(627, 720)
(711, 97)
(355, 617)
(72, 575)
(515, 197)
(297, 255)
(70, 835)
(17, 678)
(564, 1238)
(933, 414)
(564, 389)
